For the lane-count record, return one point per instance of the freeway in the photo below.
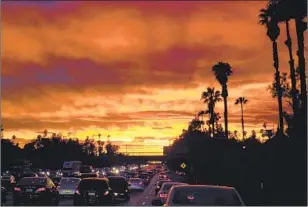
(137, 198)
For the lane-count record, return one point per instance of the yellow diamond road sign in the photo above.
(183, 165)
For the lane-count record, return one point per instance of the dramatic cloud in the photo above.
(131, 70)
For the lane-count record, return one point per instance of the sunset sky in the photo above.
(131, 70)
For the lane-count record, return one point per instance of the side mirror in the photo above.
(156, 202)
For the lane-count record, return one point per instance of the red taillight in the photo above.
(163, 195)
(40, 190)
(16, 189)
(106, 193)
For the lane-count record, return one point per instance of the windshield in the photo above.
(205, 196)
(136, 180)
(33, 181)
(69, 181)
(117, 183)
(99, 185)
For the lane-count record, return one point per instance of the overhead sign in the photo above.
(183, 165)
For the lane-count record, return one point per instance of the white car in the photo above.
(202, 195)
(136, 184)
(67, 186)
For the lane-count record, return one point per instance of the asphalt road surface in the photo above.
(136, 199)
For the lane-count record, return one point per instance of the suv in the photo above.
(119, 185)
(94, 191)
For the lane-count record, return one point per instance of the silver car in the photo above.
(68, 186)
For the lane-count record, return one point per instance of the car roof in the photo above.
(173, 183)
(114, 176)
(205, 187)
(102, 179)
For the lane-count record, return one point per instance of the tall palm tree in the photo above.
(282, 12)
(211, 97)
(201, 114)
(222, 71)
(242, 101)
(268, 19)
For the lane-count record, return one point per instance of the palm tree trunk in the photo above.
(278, 86)
(202, 123)
(226, 115)
(301, 62)
(288, 43)
(242, 119)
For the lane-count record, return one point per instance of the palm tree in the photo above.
(210, 96)
(202, 113)
(268, 19)
(216, 118)
(282, 12)
(242, 101)
(222, 71)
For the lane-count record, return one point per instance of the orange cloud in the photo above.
(131, 69)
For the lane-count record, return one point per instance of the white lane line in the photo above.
(143, 203)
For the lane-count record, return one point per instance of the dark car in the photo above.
(119, 186)
(3, 194)
(94, 191)
(89, 175)
(38, 190)
(28, 174)
(8, 181)
(86, 169)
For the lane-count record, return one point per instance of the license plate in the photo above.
(91, 194)
(67, 191)
(29, 190)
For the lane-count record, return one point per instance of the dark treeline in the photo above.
(52, 152)
(270, 173)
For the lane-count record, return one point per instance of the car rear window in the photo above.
(69, 181)
(204, 196)
(33, 181)
(117, 182)
(93, 184)
(167, 186)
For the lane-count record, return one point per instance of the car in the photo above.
(136, 184)
(8, 181)
(56, 180)
(86, 169)
(94, 191)
(145, 177)
(163, 177)
(38, 190)
(89, 175)
(119, 186)
(68, 185)
(159, 184)
(164, 190)
(202, 195)
(28, 174)
(3, 195)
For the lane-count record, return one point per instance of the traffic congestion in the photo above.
(135, 185)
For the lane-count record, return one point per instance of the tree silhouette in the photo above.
(242, 101)
(268, 18)
(222, 71)
(211, 97)
(282, 12)
(201, 114)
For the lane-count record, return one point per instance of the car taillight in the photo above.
(163, 195)
(16, 189)
(106, 192)
(77, 191)
(40, 190)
